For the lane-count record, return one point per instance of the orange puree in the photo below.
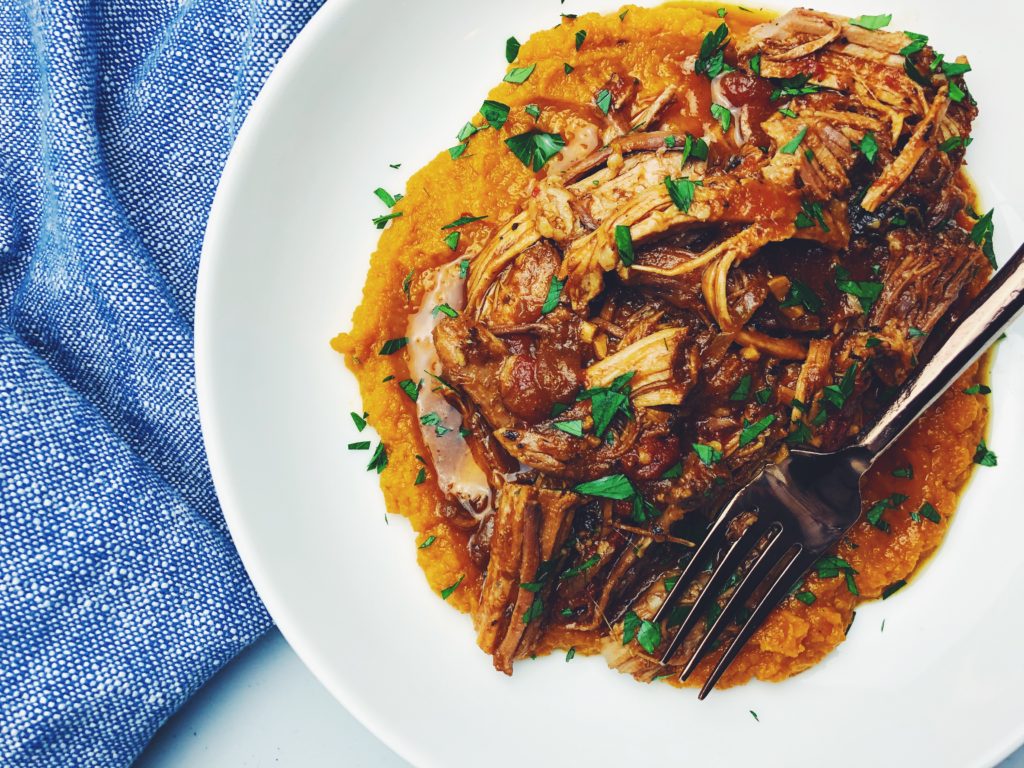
(490, 181)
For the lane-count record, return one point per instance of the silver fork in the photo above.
(805, 504)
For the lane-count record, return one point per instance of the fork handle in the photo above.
(999, 302)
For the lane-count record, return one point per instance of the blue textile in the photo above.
(120, 590)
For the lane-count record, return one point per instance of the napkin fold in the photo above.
(120, 590)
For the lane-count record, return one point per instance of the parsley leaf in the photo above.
(873, 22)
(649, 636)
(573, 427)
(742, 391)
(866, 292)
(810, 214)
(411, 388)
(681, 191)
(456, 151)
(535, 611)
(722, 115)
(447, 591)
(359, 421)
(554, 293)
(427, 542)
(495, 113)
(807, 598)
(382, 221)
(581, 35)
(906, 472)
(606, 402)
(711, 57)
(893, 588)
(452, 241)
(869, 146)
(928, 512)
(568, 68)
(386, 197)
(433, 420)
(831, 566)
(379, 460)
(604, 100)
(836, 395)
(978, 389)
(512, 47)
(421, 478)
(519, 74)
(535, 148)
(798, 85)
(751, 431)
(981, 234)
(694, 148)
(391, 346)
(801, 294)
(618, 487)
(462, 220)
(794, 143)
(983, 456)
(581, 568)
(360, 446)
(570, 654)
(874, 514)
(630, 624)
(707, 454)
(624, 244)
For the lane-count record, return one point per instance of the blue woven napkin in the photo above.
(120, 590)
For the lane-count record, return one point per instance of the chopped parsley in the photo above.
(427, 542)
(421, 478)
(810, 214)
(630, 624)
(617, 487)
(386, 197)
(444, 309)
(763, 395)
(873, 22)
(676, 470)
(532, 110)
(801, 294)
(411, 388)
(456, 151)
(805, 597)
(869, 146)
(865, 291)
(754, 714)
(535, 148)
(836, 395)
(447, 591)
(750, 432)
(952, 68)
(570, 654)
(802, 435)
(981, 234)
(519, 75)
(466, 132)
(742, 391)
(695, 148)
(624, 244)
(604, 100)
(721, 13)
(433, 420)
(360, 446)
(554, 294)
(681, 191)
(382, 221)
(913, 72)
(606, 402)
(722, 115)
(928, 512)
(649, 635)
(512, 47)
(568, 68)
(878, 509)
(953, 143)
(794, 143)
(917, 44)
(391, 346)
(787, 112)
(396, 166)
(707, 454)
(452, 240)
(359, 421)
(407, 281)
(379, 460)
(495, 113)
(983, 456)
(755, 63)
(906, 472)
(978, 389)
(573, 427)
(711, 57)
(576, 570)
(581, 35)
(893, 588)
(914, 333)
(535, 611)
(831, 566)
(798, 85)
(463, 220)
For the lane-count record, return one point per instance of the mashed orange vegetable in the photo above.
(489, 181)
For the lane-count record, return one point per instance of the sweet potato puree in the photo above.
(931, 463)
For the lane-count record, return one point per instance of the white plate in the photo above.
(373, 82)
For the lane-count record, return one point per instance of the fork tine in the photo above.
(766, 561)
(737, 551)
(796, 567)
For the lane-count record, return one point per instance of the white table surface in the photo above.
(266, 709)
